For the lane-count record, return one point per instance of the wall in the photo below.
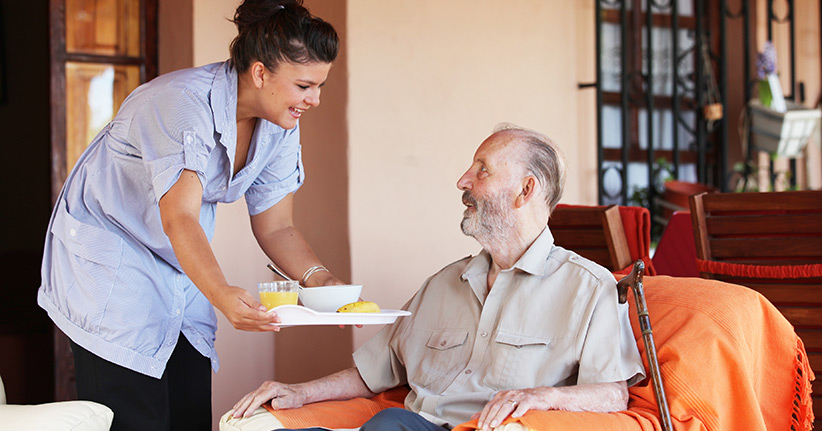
(428, 81)
(246, 359)
(808, 71)
(321, 213)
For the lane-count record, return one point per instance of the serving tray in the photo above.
(297, 315)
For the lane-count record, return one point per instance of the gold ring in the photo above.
(512, 402)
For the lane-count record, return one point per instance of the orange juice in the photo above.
(274, 299)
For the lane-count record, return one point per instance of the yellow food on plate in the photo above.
(359, 307)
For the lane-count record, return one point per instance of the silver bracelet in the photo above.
(310, 271)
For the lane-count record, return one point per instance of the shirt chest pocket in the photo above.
(522, 361)
(444, 355)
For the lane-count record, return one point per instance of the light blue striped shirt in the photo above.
(110, 279)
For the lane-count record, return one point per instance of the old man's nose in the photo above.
(464, 183)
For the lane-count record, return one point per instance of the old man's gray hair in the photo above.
(544, 160)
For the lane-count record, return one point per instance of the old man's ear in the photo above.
(529, 190)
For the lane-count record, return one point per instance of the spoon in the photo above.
(282, 274)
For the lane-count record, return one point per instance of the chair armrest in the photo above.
(260, 420)
(65, 415)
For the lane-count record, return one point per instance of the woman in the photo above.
(128, 273)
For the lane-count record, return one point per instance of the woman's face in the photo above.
(290, 91)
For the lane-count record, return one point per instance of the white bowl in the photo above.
(330, 298)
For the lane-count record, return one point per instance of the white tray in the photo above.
(295, 315)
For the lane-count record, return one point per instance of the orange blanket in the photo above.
(729, 361)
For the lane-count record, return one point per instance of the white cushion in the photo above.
(261, 420)
(65, 415)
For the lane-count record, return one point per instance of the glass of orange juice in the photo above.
(276, 293)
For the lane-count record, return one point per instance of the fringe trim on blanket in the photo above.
(802, 415)
(812, 270)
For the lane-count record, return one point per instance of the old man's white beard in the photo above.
(491, 222)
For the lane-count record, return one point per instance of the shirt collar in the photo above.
(224, 108)
(532, 261)
(224, 104)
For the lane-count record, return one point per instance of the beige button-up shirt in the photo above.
(553, 319)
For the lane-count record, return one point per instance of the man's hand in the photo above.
(243, 311)
(514, 403)
(282, 396)
(594, 397)
(342, 385)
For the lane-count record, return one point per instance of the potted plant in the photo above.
(778, 127)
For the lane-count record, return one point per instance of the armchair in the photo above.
(64, 415)
(612, 236)
(770, 242)
(728, 358)
(595, 233)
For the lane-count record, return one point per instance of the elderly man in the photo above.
(524, 325)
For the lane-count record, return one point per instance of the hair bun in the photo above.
(253, 11)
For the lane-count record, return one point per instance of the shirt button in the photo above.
(483, 334)
(73, 232)
(189, 139)
(467, 371)
(442, 343)
(177, 311)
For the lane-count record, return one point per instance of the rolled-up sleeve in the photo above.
(378, 364)
(283, 174)
(609, 351)
(165, 122)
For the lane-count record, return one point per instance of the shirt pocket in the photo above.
(88, 267)
(441, 359)
(523, 361)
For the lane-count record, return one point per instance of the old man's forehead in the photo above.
(508, 143)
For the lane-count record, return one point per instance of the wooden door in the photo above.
(101, 51)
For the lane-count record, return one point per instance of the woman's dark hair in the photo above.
(273, 31)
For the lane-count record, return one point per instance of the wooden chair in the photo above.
(772, 243)
(595, 233)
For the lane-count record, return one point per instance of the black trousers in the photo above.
(179, 400)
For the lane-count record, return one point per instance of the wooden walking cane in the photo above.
(634, 281)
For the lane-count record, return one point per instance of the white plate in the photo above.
(294, 315)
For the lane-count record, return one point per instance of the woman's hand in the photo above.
(243, 311)
(325, 278)
(282, 396)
